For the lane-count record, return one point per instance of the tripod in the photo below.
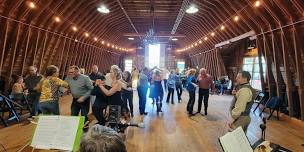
(263, 128)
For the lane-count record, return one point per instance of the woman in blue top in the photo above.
(191, 87)
(171, 86)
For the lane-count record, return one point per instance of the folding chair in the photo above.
(260, 99)
(21, 105)
(273, 104)
(9, 107)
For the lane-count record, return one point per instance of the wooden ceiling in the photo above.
(112, 27)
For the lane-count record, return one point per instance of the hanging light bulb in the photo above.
(86, 34)
(222, 27)
(212, 34)
(257, 3)
(74, 28)
(206, 38)
(31, 5)
(236, 18)
(57, 19)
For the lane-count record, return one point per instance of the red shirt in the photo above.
(205, 81)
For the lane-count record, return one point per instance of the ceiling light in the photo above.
(76, 40)
(257, 3)
(236, 18)
(115, 47)
(131, 38)
(119, 48)
(108, 44)
(195, 44)
(103, 9)
(206, 38)
(222, 27)
(192, 9)
(191, 46)
(112, 46)
(74, 28)
(86, 34)
(212, 34)
(31, 5)
(102, 42)
(57, 19)
(200, 42)
(174, 39)
(95, 39)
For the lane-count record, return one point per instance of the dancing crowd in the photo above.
(116, 88)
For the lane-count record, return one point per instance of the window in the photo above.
(128, 65)
(181, 66)
(154, 55)
(251, 64)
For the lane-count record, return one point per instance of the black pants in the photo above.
(142, 95)
(170, 93)
(127, 98)
(83, 107)
(179, 91)
(33, 98)
(191, 102)
(203, 94)
(97, 109)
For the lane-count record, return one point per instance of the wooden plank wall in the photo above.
(285, 63)
(284, 55)
(210, 60)
(23, 45)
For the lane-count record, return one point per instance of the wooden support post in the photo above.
(276, 65)
(268, 64)
(14, 54)
(36, 48)
(299, 65)
(260, 64)
(63, 69)
(61, 54)
(288, 75)
(26, 50)
(4, 46)
(42, 53)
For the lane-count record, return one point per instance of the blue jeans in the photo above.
(142, 95)
(49, 107)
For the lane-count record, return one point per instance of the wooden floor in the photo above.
(174, 131)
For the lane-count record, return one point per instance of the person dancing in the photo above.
(158, 89)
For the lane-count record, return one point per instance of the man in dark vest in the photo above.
(31, 82)
(241, 105)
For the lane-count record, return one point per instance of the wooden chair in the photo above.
(273, 104)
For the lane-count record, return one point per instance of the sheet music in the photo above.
(235, 141)
(66, 134)
(55, 132)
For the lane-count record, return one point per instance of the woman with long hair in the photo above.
(191, 87)
(127, 93)
(158, 89)
(114, 93)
